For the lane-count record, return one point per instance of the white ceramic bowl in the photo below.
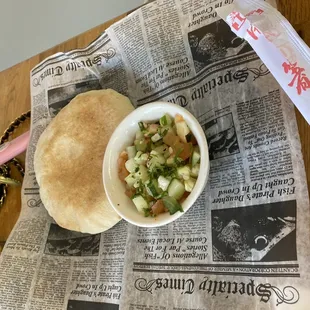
(123, 136)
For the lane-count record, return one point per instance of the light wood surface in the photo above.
(15, 95)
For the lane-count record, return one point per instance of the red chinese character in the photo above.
(300, 79)
(251, 31)
(237, 20)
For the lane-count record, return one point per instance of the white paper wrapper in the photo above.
(277, 44)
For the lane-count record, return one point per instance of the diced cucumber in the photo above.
(169, 119)
(156, 160)
(137, 184)
(153, 145)
(158, 143)
(184, 172)
(131, 151)
(156, 137)
(140, 203)
(142, 174)
(170, 161)
(141, 145)
(176, 189)
(153, 189)
(165, 120)
(151, 163)
(182, 130)
(164, 130)
(157, 155)
(189, 184)
(167, 129)
(154, 153)
(161, 159)
(161, 149)
(131, 165)
(195, 156)
(178, 161)
(145, 156)
(172, 204)
(139, 135)
(130, 180)
(166, 154)
(141, 158)
(195, 171)
(163, 182)
(138, 155)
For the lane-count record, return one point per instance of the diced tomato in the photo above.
(187, 151)
(124, 155)
(158, 207)
(153, 128)
(177, 148)
(183, 150)
(130, 192)
(193, 140)
(178, 118)
(122, 171)
(170, 139)
(185, 195)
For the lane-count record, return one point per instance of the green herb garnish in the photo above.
(141, 126)
(147, 212)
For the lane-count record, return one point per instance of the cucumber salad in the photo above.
(161, 167)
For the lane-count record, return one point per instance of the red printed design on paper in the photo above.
(300, 80)
(252, 31)
(237, 20)
(271, 35)
(258, 11)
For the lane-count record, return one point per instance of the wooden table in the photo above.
(15, 94)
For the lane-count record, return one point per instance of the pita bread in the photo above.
(69, 156)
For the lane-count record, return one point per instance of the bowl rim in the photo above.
(201, 180)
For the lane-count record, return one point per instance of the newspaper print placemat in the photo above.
(243, 245)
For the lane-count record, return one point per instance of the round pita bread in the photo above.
(69, 156)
